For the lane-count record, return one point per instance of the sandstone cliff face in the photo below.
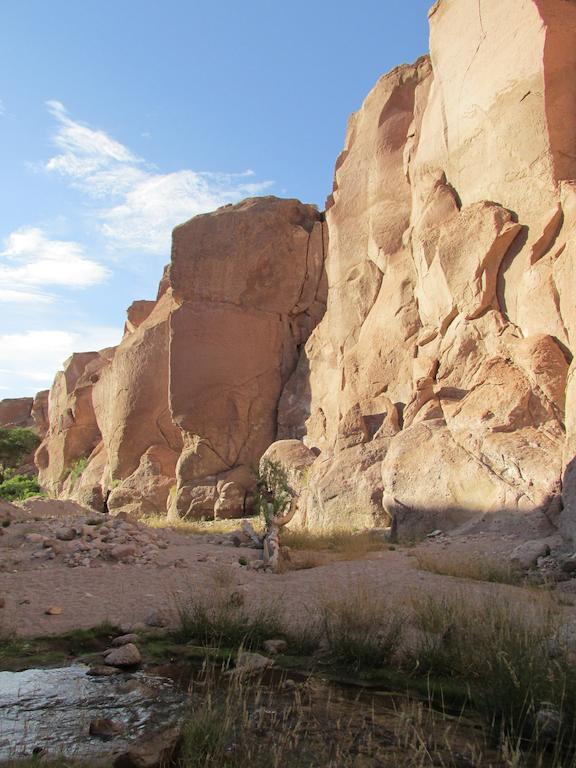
(177, 416)
(434, 387)
(418, 342)
(248, 281)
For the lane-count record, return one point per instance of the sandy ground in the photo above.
(126, 594)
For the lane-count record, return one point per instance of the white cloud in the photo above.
(30, 359)
(31, 262)
(138, 207)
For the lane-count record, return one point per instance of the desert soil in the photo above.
(39, 571)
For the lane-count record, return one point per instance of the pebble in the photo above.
(54, 610)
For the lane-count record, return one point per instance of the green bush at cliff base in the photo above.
(15, 444)
(18, 488)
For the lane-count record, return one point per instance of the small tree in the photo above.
(276, 501)
(15, 444)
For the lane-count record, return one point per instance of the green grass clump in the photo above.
(77, 468)
(220, 620)
(19, 488)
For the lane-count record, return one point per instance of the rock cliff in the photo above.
(178, 415)
(417, 340)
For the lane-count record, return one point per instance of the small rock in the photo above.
(435, 534)
(548, 722)
(275, 646)
(34, 538)
(65, 534)
(54, 610)
(102, 670)
(247, 663)
(125, 656)
(122, 551)
(105, 728)
(3, 602)
(152, 751)
(569, 565)
(131, 637)
(158, 619)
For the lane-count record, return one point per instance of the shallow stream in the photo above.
(278, 720)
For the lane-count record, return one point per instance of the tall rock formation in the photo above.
(435, 382)
(177, 416)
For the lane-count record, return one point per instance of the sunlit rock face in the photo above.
(249, 283)
(177, 416)
(417, 338)
(435, 385)
(16, 412)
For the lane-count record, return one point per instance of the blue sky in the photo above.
(119, 120)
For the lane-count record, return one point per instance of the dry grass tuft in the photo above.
(509, 655)
(198, 527)
(474, 567)
(361, 626)
(348, 545)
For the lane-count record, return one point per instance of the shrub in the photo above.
(19, 487)
(272, 487)
(15, 444)
(76, 468)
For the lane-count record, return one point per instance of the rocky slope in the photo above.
(437, 382)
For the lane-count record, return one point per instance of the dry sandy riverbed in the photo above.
(125, 583)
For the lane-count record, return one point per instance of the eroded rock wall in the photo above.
(417, 340)
(178, 415)
(249, 284)
(434, 386)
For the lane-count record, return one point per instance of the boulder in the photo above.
(526, 555)
(125, 656)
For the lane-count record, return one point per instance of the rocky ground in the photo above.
(63, 567)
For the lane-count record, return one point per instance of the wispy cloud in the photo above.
(136, 206)
(31, 262)
(29, 359)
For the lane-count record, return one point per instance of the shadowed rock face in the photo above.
(422, 352)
